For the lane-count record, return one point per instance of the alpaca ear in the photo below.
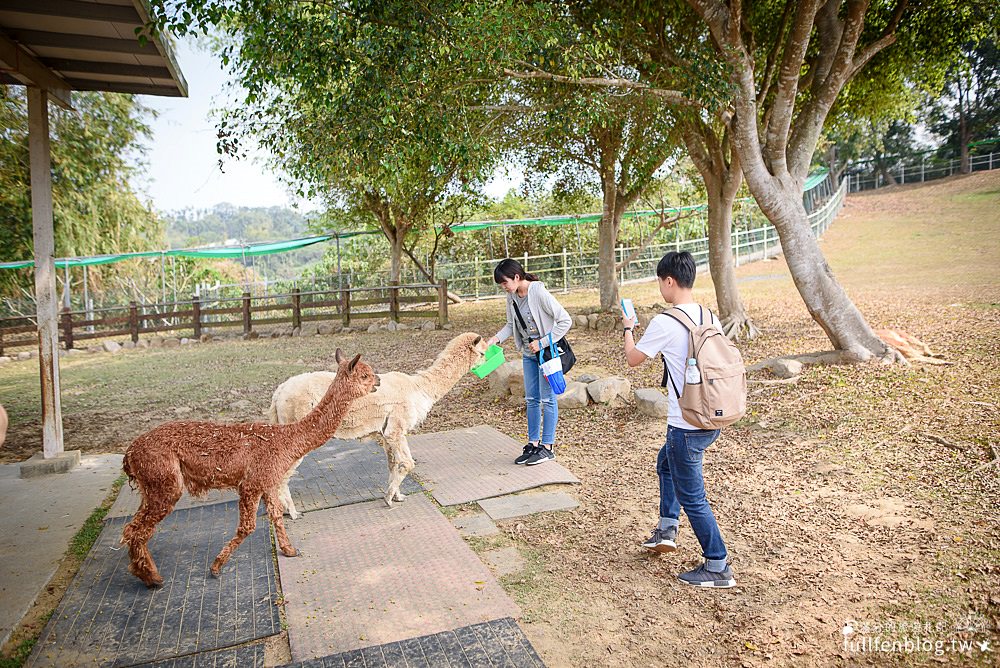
(339, 356)
(478, 339)
(354, 363)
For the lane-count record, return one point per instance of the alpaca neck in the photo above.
(319, 425)
(438, 379)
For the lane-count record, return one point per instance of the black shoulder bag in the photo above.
(566, 356)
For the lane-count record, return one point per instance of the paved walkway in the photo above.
(397, 596)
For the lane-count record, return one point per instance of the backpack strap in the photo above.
(517, 311)
(690, 326)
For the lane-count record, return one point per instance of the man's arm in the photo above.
(633, 355)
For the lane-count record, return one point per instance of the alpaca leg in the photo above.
(277, 519)
(286, 501)
(397, 452)
(157, 502)
(248, 522)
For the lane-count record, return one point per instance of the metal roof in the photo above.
(64, 45)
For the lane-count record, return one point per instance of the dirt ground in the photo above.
(861, 498)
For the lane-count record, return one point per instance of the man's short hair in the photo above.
(678, 266)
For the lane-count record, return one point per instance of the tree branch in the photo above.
(672, 96)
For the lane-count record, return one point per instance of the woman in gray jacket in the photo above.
(532, 315)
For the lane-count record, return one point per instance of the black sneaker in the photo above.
(702, 577)
(540, 455)
(662, 540)
(529, 450)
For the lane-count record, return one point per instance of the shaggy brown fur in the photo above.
(401, 402)
(3, 425)
(909, 346)
(250, 457)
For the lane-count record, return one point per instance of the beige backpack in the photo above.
(720, 399)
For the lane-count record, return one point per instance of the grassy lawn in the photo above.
(862, 493)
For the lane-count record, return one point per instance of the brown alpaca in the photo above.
(251, 458)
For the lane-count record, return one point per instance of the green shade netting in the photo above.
(230, 252)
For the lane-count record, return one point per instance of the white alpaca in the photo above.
(401, 402)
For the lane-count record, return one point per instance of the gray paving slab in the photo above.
(108, 617)
(370, 575)
(244, 656)
(475, 525)
(465, 465)
(518, 505)
(343, 472)
(339, 473)
(499, 642)
(39, 518)
(504, 561)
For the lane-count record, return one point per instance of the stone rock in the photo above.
(448, 326)
(428, 326)
(517, 401)
(515, 378)
(111, 346)
(606, 390)
(587, 378)
(783, 368)
(182, 410)
(128, 345)
(241, 405)
(592, 320)
(575, 396)
(402, 326)
(499, 380)
(171, 343)
(607, 322)
(251, 336)
(142, 343)
(650, 401)
(644, 319)
(325, 329)
(186, 341)
(95, 349)
(296, 331)
(156, 342)
(581, 321)
(71, 352)
(391, 326)
(372, 328)
(4, 359)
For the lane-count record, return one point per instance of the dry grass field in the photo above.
(863, 494)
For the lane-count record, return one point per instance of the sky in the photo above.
(183, 163)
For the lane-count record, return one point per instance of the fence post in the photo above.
(196, 315)
(133, 320)
(923, 158)
(394, 301)
(67, 323)
(247, 324)
(296, 308)
(565, 270)
(345, 305)
(475, 278)
(621, 261)
(443, 302)
(525, 265)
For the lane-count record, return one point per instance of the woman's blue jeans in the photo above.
(543, 411)
(682, 485)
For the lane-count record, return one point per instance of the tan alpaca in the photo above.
(250, 457)
(401, 402)
(909, 346)
(3, 425)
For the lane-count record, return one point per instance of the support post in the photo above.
(133, 321)
(345, 305)
(196, 315)
(475, 278)
(565, 271)
(45, 277)
(247, 324)
(296, 308)
(443, 303)
(394, 301)
(67, 325)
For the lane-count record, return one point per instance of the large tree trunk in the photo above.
(963, 129)
(722, 182)
(607, 237)
(733, 314)
(826, 300)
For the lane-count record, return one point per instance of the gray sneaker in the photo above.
(541, 455)
(526, 454)
(662, 540)
(702, 577)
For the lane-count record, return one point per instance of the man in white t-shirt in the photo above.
(679, 462)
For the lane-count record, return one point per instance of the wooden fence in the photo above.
(195, 316)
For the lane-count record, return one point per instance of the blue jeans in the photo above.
(541, 403)
(682, 485)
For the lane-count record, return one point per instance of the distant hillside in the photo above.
(226, 222)
(191, 227)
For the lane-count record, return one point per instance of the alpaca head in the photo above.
(469, 347)
(354, 378)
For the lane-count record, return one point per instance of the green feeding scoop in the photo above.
(494, 358)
